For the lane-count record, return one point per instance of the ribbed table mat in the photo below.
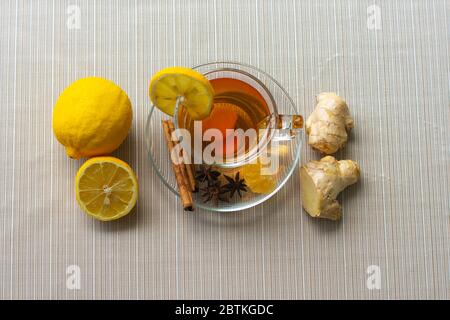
(388, 59)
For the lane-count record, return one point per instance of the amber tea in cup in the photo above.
(245, 116)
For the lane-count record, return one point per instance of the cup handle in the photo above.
(286, 127)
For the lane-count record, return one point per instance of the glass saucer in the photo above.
(159, 156)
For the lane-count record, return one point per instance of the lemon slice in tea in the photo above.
(106, 188)
(193, 88)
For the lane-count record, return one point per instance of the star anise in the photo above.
(235, 185)
(206, 173)
(214, 192)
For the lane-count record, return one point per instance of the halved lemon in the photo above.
(195, 92)
(106, 188)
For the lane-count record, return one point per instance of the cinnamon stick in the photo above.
(187, 165)
(182, 182)
(190, 171)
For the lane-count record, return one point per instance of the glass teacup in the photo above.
(257, 125)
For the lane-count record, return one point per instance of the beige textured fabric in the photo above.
(393, 72)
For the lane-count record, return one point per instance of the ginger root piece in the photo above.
(329, 123)
(322, 181)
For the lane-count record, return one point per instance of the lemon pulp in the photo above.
(106, 188)
(194, 90)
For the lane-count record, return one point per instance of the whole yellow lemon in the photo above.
(92, 117)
